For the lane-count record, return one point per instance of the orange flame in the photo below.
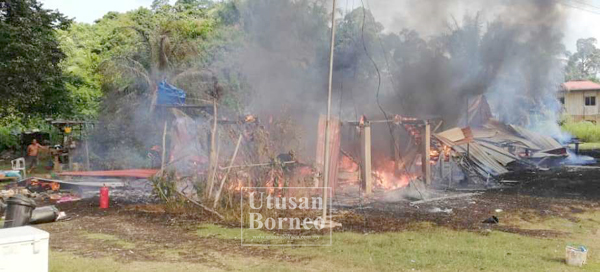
(387, 179)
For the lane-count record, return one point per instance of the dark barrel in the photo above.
(18, 211)
(44, 215)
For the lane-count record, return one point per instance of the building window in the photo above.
(590, 101)
(561, 100)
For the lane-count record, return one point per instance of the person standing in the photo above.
(33, 150)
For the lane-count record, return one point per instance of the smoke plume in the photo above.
(425, 61)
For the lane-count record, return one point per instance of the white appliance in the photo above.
(23, 249)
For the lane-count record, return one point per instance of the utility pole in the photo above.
(328, 123)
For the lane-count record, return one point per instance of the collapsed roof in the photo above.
(491, 147)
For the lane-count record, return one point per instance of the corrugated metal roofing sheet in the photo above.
(543, 141)
(489, 146)
(485, 163)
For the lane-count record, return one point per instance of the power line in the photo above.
(585, 4)
(385, 56)
(579, 8)
(371, 58)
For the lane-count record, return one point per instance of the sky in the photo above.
(579, 24)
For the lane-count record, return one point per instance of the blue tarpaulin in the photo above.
(169, 94)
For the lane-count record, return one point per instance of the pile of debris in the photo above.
(19, 205)
(488, 148)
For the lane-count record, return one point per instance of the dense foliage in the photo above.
(584, 64)
(249, 55)
(31, 78)
(33, 84)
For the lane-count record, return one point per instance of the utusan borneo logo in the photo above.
(290, 217)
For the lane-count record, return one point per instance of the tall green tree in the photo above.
(31, 79)
(585, 63)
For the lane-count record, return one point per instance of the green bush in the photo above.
(12, 126)
(8, 139)
(585, 131)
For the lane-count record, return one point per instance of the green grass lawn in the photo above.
(430, 248)
(587, 146)
(39, 171)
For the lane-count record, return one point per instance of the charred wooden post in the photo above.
(426, 155)
(365, 169)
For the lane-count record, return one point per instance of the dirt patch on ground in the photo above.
(143, 233)
(560, 193)
(129, 232)
(464, 214)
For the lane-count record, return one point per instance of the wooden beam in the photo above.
(334, 152)
(365, 170)
(426, 155)
(320, 155)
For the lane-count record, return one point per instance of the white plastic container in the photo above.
(23, 249)
(576, 256)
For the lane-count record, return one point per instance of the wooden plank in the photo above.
(454, 135)
(334, 159)
(426, 155)
(320, 153)
(365, 170)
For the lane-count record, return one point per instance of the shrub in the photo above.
(8, 140)
(585, 131)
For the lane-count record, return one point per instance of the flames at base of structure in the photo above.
(387, 178)
(385, 175)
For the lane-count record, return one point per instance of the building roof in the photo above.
(583, 85)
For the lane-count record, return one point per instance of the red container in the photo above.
(104, 197)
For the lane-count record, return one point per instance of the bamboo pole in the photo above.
(237, 147)
(328, 123)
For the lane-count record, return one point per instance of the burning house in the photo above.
(475, 156)
(388, 135)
